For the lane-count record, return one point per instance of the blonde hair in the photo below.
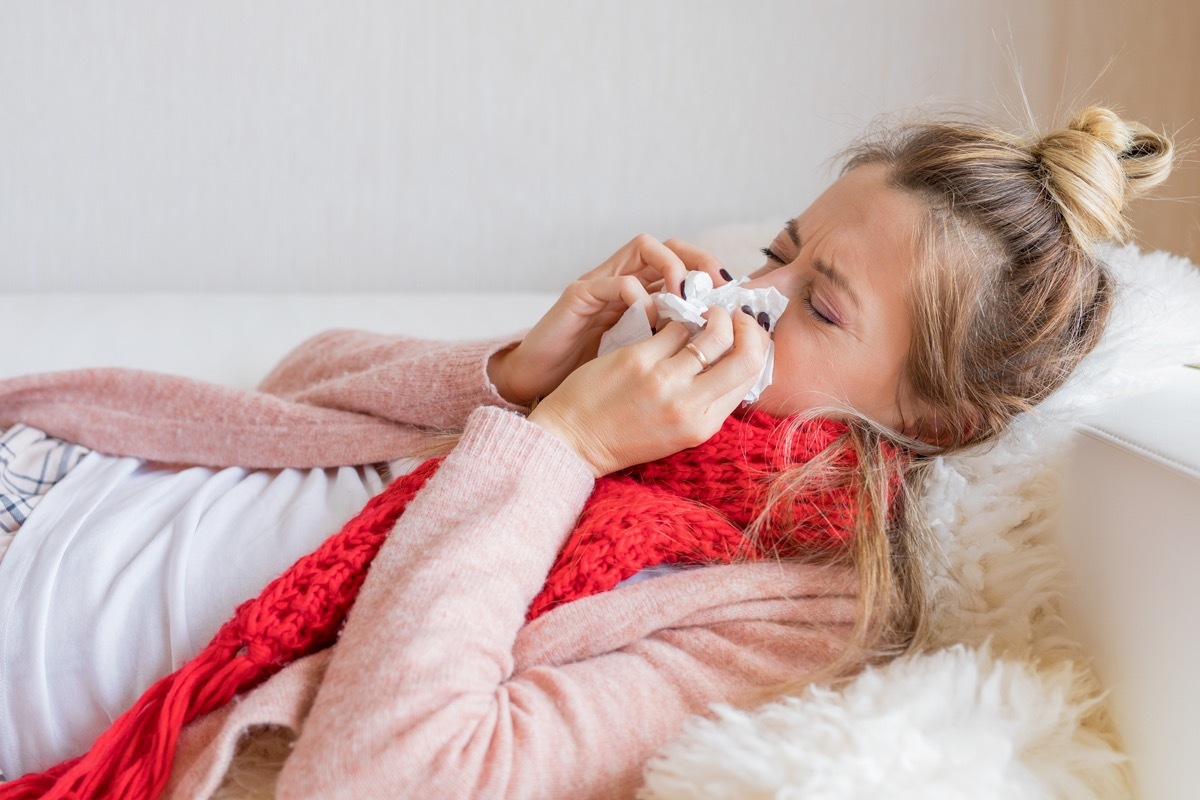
(1008, 296)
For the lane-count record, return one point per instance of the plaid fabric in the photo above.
(30, 463)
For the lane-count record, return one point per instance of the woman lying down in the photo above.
(611, 543)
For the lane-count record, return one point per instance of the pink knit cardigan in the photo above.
(438, 687)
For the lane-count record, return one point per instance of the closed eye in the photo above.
(815, 314)
(770, 254)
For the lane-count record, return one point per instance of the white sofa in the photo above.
(234, 338)
(1131, 532)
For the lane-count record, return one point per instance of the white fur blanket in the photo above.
(1009, 708)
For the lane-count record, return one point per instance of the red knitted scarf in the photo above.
(688, 507)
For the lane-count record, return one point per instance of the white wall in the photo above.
(1154, 76)
(359, 145)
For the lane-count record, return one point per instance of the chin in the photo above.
(771, 402)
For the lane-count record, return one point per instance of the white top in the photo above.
(127, 569)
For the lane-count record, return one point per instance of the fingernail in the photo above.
(765, 320)
(725, 274)
(748, 310)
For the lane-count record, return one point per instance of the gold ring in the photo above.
(699, 356)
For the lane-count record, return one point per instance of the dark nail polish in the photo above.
(681, 285)
(725, 274)
(748, 310)
(765, 320)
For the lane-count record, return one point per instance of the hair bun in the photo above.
(1095, 165)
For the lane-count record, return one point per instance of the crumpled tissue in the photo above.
(698, 294)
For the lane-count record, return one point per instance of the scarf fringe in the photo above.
(133, 757)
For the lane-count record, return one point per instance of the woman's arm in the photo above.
(415, 381)
(420, 698)
(437, 384)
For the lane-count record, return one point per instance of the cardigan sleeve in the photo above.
(431, 384)
(400, 388)
(420, 698)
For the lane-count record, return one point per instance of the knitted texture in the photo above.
(688, 507)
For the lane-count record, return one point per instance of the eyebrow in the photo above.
(828, 270)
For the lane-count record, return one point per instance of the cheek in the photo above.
(800, 375)
(814, 367)
(804, 358)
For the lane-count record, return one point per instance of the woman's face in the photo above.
(845, 265)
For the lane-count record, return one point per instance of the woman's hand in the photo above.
(654, 398)
(569, 334)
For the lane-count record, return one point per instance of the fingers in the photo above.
(710, 344)
(732, 376)
(665, 261)
(734, 349)
(660, 266)
(738, 340)
(633, 293)
(620, 292)
(701, 359)
(696, 259)
(652, 398)
(643, 257)
(602, 301)
(666, 344)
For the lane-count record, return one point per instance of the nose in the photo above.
(772, 277)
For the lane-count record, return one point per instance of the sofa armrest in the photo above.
(1131, 537)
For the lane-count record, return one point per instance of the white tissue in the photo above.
(698, 296)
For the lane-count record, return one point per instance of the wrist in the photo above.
(566, 433)
(498, 370)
